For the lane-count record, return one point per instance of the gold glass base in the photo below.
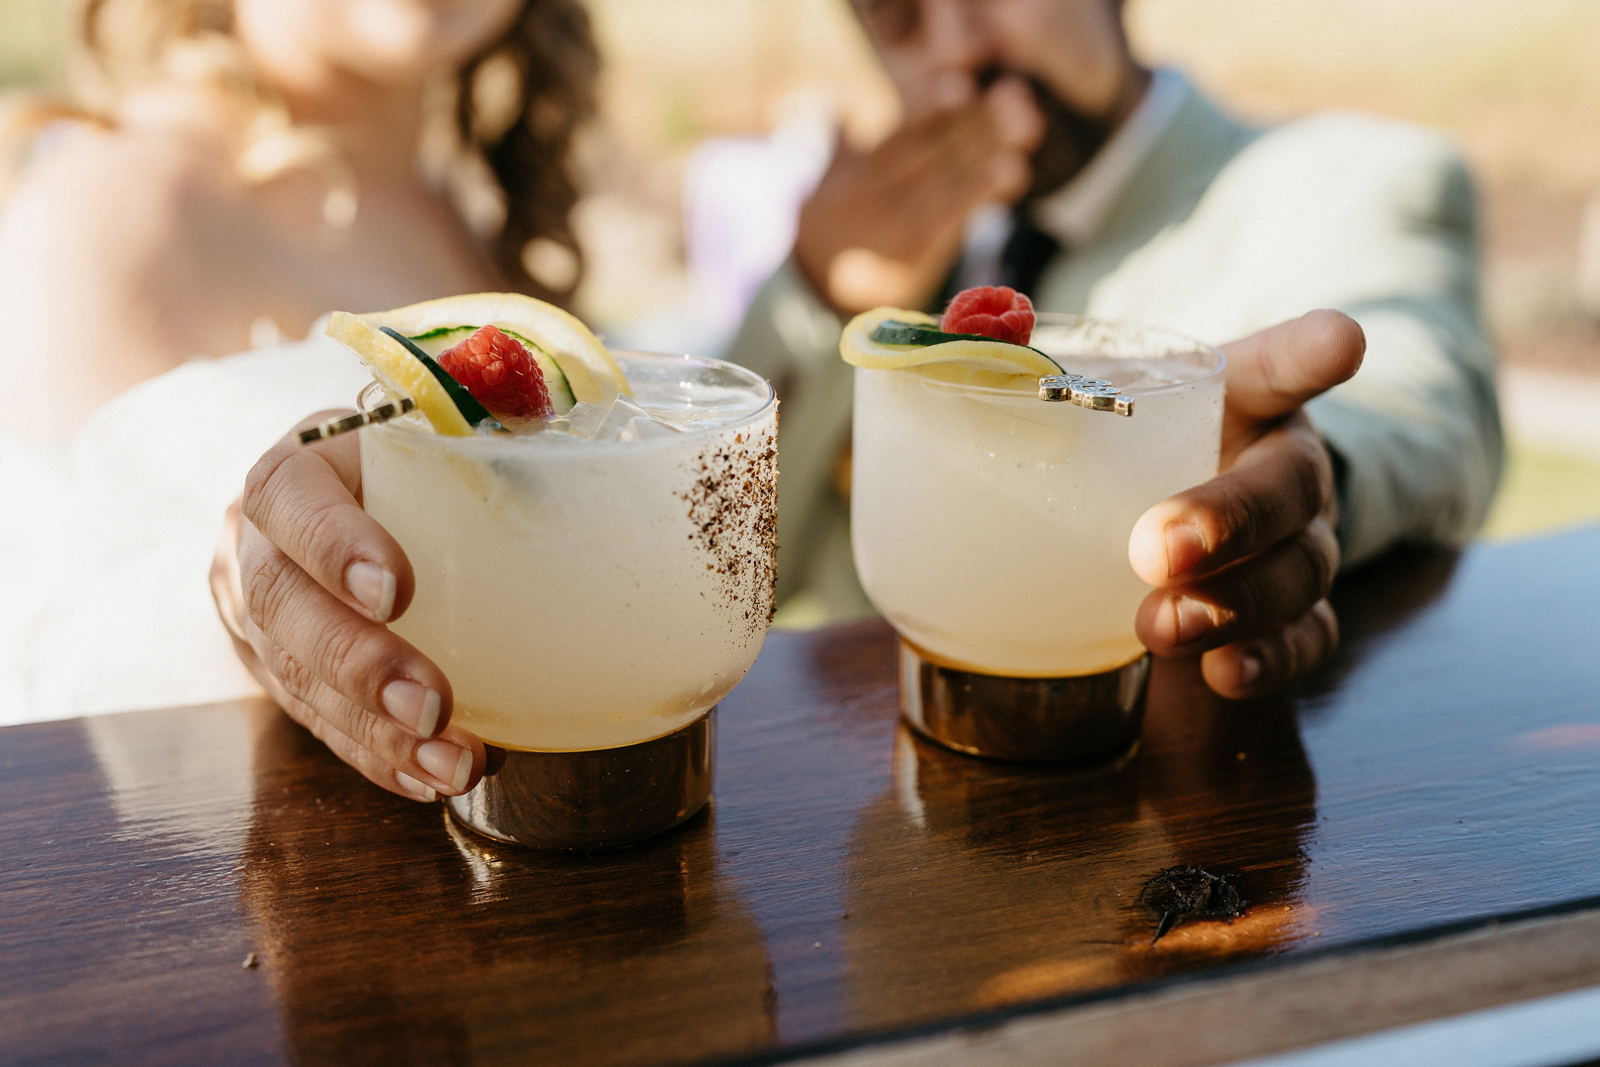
(1080, 719)
(597, 799)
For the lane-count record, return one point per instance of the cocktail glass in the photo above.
(990, 528)
(590, 600)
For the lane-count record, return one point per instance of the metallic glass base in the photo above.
(1030, 720)
(598, 799)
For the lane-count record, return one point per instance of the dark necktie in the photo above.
(1027, 252)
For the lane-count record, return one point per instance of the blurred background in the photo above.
(700, 94)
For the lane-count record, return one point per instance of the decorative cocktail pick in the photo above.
(382, 413)
(1092, 393)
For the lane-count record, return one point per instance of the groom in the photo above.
(1036, 152)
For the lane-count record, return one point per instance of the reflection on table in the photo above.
(454, 954)
(851, 881)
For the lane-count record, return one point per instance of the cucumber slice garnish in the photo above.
(445, 332)
(465, 402)
(555, 379)
(895, 332)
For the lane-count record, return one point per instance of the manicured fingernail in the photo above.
(447, 762)
(373, 588)
(425, 793)
(1190, 620)
(414, 706)
(1185, 547)
(1249, 668)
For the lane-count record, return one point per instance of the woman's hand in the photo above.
(305, 582)
(1242, 565)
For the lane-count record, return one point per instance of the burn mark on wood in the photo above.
(1180, 893)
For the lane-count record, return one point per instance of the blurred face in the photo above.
(1071, 52)
(390, 42)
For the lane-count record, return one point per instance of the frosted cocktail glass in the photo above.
(591, 599)
(990, 528)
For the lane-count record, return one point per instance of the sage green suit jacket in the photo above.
(1225, 230)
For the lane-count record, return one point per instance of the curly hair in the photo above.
(123, 44)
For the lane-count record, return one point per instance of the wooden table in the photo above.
(1416, 832)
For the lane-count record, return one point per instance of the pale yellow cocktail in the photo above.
(585, 594)
(991, 528)
(593, 540)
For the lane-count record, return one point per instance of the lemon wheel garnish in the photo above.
(398, 371)
(591, 373)
(860, 350)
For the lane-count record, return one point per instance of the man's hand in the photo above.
(305, 581)
(884, 227)
(1242, 565)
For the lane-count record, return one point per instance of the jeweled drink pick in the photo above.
(1092, 393)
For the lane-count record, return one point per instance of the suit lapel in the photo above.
(1175, 173)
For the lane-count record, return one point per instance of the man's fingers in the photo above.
(1009, 174)
(305, 499)
(883, 227)
(1277, 485)
(1248, 599)
(918, 148)
(938, 168)
(988, 155)
(1014, 115)
(1268, 663)
(1273, 372)
(934, 192)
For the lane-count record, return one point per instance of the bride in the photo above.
(232, 169)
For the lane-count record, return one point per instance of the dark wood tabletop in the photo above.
(850, 883)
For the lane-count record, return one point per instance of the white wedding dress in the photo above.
(106, 540)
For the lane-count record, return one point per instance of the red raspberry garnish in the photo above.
(997, 311)
(495, 368)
